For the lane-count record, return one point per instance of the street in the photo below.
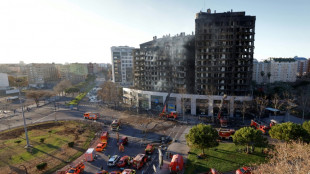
(139, 129)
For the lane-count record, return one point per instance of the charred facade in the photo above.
(224, 45)
(165, 64)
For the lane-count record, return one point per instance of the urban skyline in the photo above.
(84, 31)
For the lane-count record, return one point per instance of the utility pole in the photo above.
(25, 126)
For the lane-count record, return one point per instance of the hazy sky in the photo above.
(37, 31)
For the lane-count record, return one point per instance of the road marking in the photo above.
(43, 118)
(178, 132)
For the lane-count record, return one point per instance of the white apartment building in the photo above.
(261, 72)
(275, 70)
(122, 64)
(283, 69)
(4, 81)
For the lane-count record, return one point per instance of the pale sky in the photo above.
(45, 31)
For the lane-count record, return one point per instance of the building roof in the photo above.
(300, 58)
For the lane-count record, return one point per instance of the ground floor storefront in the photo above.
(183, 103)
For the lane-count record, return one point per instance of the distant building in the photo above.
(308, 70)
(283, 69)
(224, 52)
(122, 64)
(275, 70)
(261, 72)
(42, 75)
(4, 81)
(302, 65)
(77, 72)
(90, 68)
(63, 71)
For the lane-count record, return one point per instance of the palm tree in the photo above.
(262, 73)
(268, 75)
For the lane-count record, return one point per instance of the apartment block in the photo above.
(224, 47)
(261, 72)
(165, 64)
(275, 70)
(42, 75)
(302, 65)
(122, 64)
(283, 69)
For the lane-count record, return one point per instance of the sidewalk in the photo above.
(178, 147)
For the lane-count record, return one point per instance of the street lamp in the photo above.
(25, 126)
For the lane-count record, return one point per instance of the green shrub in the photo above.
(71, 144)
(17, 141)
(42, 140)
(41, 166)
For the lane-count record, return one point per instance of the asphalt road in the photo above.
(137, 139)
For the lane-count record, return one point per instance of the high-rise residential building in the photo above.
(261, 71)
(165, 64)
(283, 69)
(302, 65)
(275, 70)
(122, 64)
(224, 52)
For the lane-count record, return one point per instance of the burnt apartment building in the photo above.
(165, 64)
(224, 45)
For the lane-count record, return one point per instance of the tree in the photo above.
(247, 136)
(288, 132)
(72, 90)
(304, 95)
(244, 108)
(37, 95)
(18, 81)
(61, 86)
(111, 93)
(292, 158)
(289, 103)
(202, 136)
(306, 126)
(269, 75)
(262, 73)
(261, 103)
(276, 102)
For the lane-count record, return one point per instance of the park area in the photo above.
(224, 158)
(49, 144)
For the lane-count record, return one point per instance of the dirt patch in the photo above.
(52, 152)
(18, 131)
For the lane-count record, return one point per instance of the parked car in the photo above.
(125, 160)
(244, 170)
(113, 160)
(124, 140)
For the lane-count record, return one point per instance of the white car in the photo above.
(113, 160)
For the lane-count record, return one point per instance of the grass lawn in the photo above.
(222, 158)
(49, 143)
